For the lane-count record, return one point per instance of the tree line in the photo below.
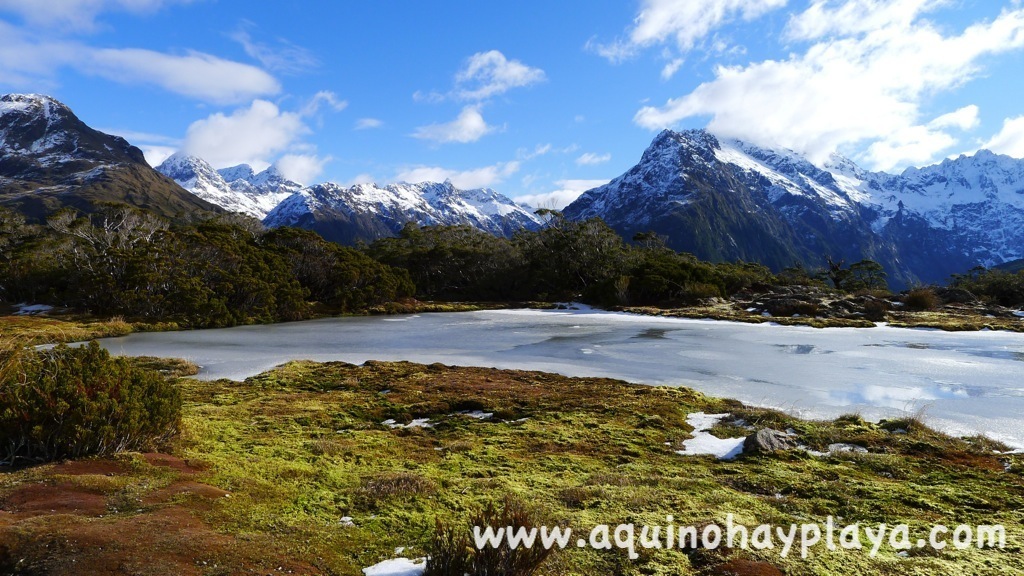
(221, 272)
(564, 260)
(230, 270)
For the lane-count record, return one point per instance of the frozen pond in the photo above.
(964, 383)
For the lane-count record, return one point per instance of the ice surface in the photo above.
(963, 382)
(32, 309)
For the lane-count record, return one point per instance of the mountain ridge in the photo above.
(726, 199)
(50, 159)
(369, 211)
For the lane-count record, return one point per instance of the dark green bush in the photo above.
(74, 402)
(994, 286)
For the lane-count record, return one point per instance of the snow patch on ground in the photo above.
(704, 443)
(417, 423)
(838, 449)
(397, 567)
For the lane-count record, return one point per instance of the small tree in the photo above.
(866, 275)
(863, 275)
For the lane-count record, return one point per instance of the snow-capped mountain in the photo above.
(975, 202)
(368, 211)
(727, 200)
(50, 159)
(237, 189)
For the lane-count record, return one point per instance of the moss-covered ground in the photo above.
(294, 470)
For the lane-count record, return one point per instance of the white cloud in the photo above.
(360, 179)
(155, 155)
(248, 135)
(1009, 140)
(29, 60)
(76, 14)
(468, 127)
(824, 17)
(862, 88)
(489, 74)
(473, 178)
(428, 97)
(155, 147)
(913, 145)
(670, 69)
(592, 159)
(965, 118)
(195, 74)
(321, 98)
(538, 150)
(567, 192)
(135, 137)
(283, 57)
(302, 168)
(686, 22)
(368, 123)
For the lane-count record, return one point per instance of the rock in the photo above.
(789, 306)
(767, 441)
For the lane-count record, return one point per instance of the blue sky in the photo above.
(539, 100)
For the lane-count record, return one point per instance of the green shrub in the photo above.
(1004, 287)
(74, 402)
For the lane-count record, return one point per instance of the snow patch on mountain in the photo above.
(394, 205)
(966, 209)
(237, 189)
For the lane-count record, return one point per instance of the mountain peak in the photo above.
(182, 166)
(43, 133)
(693, 138)
(237, 188)
(49, 158)
(240, 172)
(38, 104)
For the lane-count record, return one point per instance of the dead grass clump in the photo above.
(451, 552)
(921, 300)
(579, 496)
(325, 447)
(395, 485)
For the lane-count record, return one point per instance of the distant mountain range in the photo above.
(369, 211)
(363, 212)
(718, 199)
(727, 200)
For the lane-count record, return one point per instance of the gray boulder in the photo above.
(767, 441)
